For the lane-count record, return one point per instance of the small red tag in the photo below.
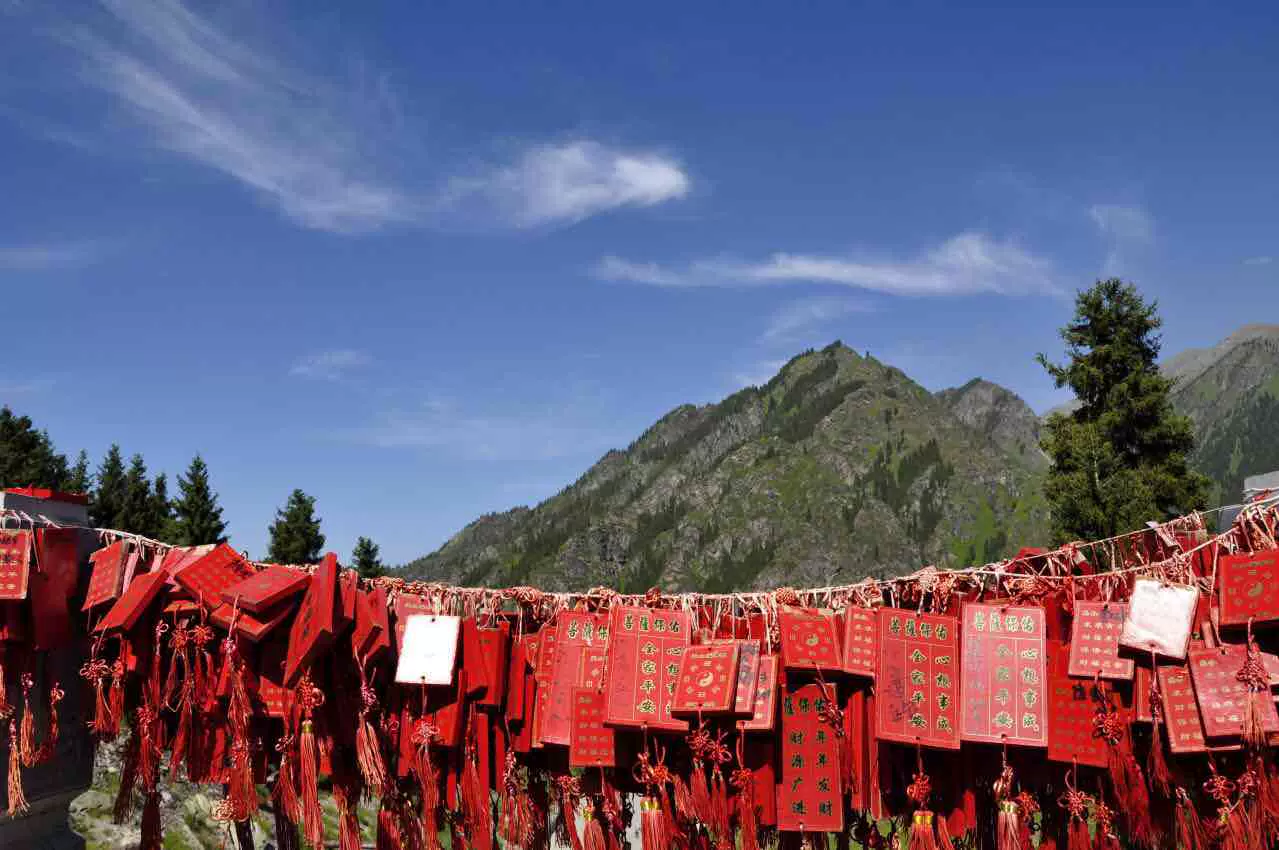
(274, 697)
(1181, 710)
(107, 580)
(348, 590)
(707, 683)
(747, 676)
(575, 631)
(1094, 641)
(53, 582)
(809, 640)
(917, 680)
(15, 564)
(859, 641)
(1247, 585)
(636, 698)
(591, 672)
(764, 702)
(494, 644)
(1223, 699)
(591, 743)
(1072, 705)
(126, 611)
(266, 588)
(809, 797)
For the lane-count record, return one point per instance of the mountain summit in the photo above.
(839, 467)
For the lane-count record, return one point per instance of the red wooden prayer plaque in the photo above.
(406, 606)
(591, 743)
(1141, 694)
(575, 631)
(207, 577)
(1094, 641)
(1248, 587)
(494, 644)
(809, 797)
(764, 702)
(314, 625)
(15, 564)
(253, 626)
(708, 680)
(369, 630)
(266, 588)
(133, 603)
(107, 580)
(53, 581)
(1183, 724)
(646, 651)
(1004, 675)
(917, 680)
(1072, 705)
(860, 630)
(274, 697)
(809, 639)
(747, 675)
(1223, 699)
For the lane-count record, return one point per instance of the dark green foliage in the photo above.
(137, 507)
(81, 479)
(295, 534)
(738, 567)
(161, 518)
(197, 517)
(366, 559)
(27, 457)
(1120, 458)
(1245, 443)
(108, 499)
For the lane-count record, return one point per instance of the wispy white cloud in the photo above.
(807, 314)
(523, 434)
(1258, 261)
(967, 264)
(1128, 229)
(565, 183)
(301, 142)
(32, 386)
(49, 256)
(329, 365)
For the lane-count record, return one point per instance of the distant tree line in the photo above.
(124, 497)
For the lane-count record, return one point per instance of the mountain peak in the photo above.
(999, 414)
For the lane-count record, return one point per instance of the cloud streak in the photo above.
(798, 317)
(969, 263)
(1128, 229)
(50, 256)
(568, 182)
(329, 365)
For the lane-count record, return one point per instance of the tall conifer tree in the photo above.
(197, 517)
(295, 534)
(108, 498)
(367, 559)
(1120, 457)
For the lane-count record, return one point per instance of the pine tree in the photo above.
(136, 508)
(1120, 458)
(366, 559)
(81, 479)
(160, 516)
(27, 456)
(108, 498)
(295, 534)
(197, 517)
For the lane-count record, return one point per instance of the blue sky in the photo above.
(429, 260)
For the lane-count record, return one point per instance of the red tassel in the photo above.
(116, 699)
(348, 823)
(922, 836)
(49, 748)
(653, 826)
(17, 796)
(428, 777)
(368, 749)
(569, 792)
(27, 730)
(128, 777)
(476, 807)
(388, 825)
(181, 738)
(593, 838)
(515, 826)
(1008, 827)
(309, 777)
(285, 792)
(152, 835)
(745, 808)
(1125, 776)
(1077, 837)
(1190, 833)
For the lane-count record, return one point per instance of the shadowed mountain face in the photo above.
(839, 467)
(1231, 392)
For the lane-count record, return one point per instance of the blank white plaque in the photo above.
(429, 651)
